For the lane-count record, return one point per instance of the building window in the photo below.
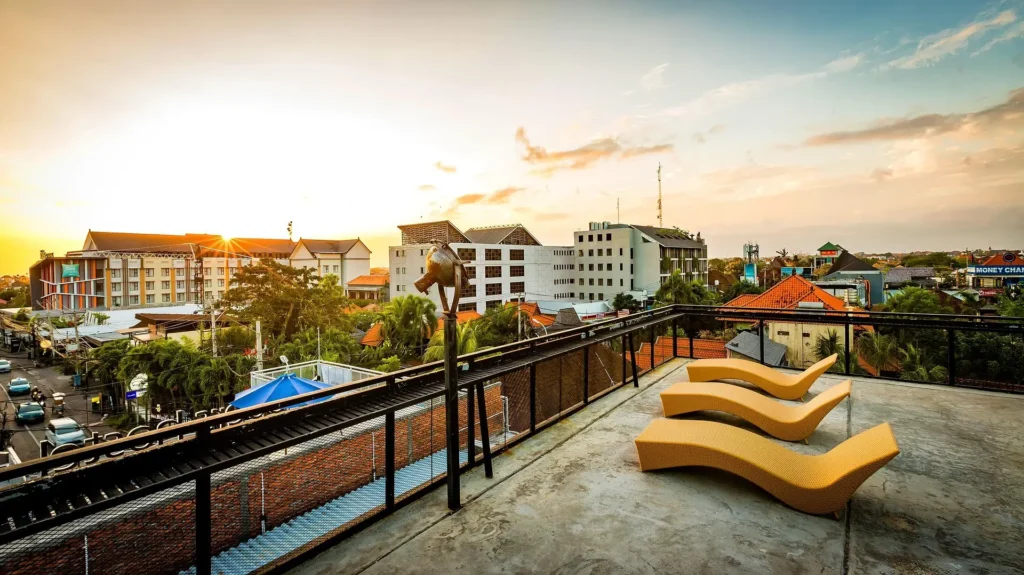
(149, 272)
(591, 267)
(600, 281)
(470, 291)
(220, 283)
(117, 301)
(581, 281)
(572, 281)
(609, 282)
(494, 304)
(517, 287)
(620, 282)
(581, 239)
(209, 296)
(600, 296)
(220, 294)
(133, 272)
(335, 269)
(517, 271)
(517, 255)
(180, 284)
(782, 333)
(207, 271)
(181, 296)
(591, 280)
(608, 237)
(133, 300)
(327, 270)
(492, 271)
(630, 253)
(600, 267)
(620, 267)
(471, 272)
(208, 283)
(591, 296)
(165, 272)
(467, 307)
(149, 298)
(149, 286)
(467, 254)
(630, 268)
(165, 285)
(581, 267)
(133, 286)
(492, 255)
(590, 237)
(599, 238)
(165, 298)
(493, 289)
(807, 334)
(179, 273)
(115, 274)
(422, 270)
(590, 253)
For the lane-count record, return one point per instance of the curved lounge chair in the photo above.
(815, 484)
(785, 421)
(781, 385)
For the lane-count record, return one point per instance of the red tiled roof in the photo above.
(532, 310)
(741, 300)
(373, 337)
(788, 293)
(370, 280)
(702, 349)
(460, 318)
(997, 260)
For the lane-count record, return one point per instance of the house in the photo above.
(794, 293)
(827, 254)
(504, 263)
(923, 277)
(849, 268)
(747, 345)
(369, 287)
(344, 259)
(996, 272)
(720, 281)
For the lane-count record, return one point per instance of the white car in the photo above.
(5, 366)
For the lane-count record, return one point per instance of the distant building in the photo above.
(923, 277)
(345, 259)
(504, 263)
(720, 281)
(848, 268)
(747, 345)
(369, 287)
(620, 258)
(996, 272)
(827, 254)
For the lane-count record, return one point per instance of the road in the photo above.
(26, 439)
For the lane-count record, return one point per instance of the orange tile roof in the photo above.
(702, 349)
(532, 310)
(373, 337)
(997, 260)
(788, 293)
(741, 300)
(370, 280)
(460, 318)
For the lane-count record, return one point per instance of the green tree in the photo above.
(970, 303)
(335, 346)
(827, 344)
(465, 338)
(676, 290)
(104, 361)
(913, 367)
(285, 299)
(1011, 303)
(879, 351)
(916, 300)
(406, 321)
(625, 301)
(739, 288)
(101, 318)
(503, 325)
(389, 364)
(22, 315)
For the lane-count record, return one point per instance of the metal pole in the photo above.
(951, 356)
(204, 520)
(485, 435)
(533, 397)
(760, 336)
(653, 339)
(675, 336)
(849, 351)
(632, 357)
(471, 424)
(452, 408)
(389, 460)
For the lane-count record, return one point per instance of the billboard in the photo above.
(69, 270)
(750, 272)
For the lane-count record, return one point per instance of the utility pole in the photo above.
(213, 331)
(659, 195)
(259, 347)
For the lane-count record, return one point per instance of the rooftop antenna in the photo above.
(659, 195)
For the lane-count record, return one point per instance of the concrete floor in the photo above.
(572, 499)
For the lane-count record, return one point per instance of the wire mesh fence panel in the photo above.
(419, 447)
(495, 405)
(515, 386)
(549, 390)
(153, 534)
(572, 381)
(280, 504)
(986, 360)
(604, 367)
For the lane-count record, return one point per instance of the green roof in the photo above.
(828, 246)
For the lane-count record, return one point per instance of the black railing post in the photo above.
(485, 434)
(675, 337)
(624, 371)
(204, 519)
(451, 406)
(533, 397)
(471, 423)
(654, 338)
(632, 361)
(951, 356)
(849, 351)
(389, 460)
(760, 337)
(586, 375)
(690, 333)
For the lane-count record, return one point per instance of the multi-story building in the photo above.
(116, 270)
(624, 258)
(504, 263)
(992, 274)
(345, 259)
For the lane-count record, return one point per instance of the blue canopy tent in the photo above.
(288, 385)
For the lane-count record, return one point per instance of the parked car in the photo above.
(64, 431)
(30, 412)
(19, 386)
(5, 366)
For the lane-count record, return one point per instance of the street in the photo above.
(26, 439)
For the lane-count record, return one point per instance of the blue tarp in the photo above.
(286, 386)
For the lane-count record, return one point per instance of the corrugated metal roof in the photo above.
(669, 237)
(749, 344)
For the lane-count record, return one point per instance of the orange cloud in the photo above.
(428, 188)
(581, 157)
(444, 168)
(503, 195)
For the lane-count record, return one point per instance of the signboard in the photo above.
(750, 272)
(997, 270)
(828, 253)
(131, 394)
(69, 271)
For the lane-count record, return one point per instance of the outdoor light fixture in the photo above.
(446, 270)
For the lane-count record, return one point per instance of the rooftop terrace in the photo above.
(572, 499)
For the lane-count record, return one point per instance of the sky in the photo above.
(879, 125)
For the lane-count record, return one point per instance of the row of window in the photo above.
(606, 267)
(601, 282)
(164, 285)
(606, 252)
(563, 252)
(590, 238)
(118, 301)
(564, 267)
(565, 281)
(164, 272)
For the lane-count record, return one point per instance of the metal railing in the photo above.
(260, 489)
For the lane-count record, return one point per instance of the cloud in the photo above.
(496, 197)
(652, 80)
(583, 156)
(444, 168)
(466, 199)
(1006, 115)
(550, 216)
(845, 63)
(881, 174)
(702, 137)
(1010, 34)
(503, 195)
(935, 47)
(428, 188)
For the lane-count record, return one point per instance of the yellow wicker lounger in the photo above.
(815, 484)
(780, 385)
(782, 420)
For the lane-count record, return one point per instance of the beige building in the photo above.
(345, 259)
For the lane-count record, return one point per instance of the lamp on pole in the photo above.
(444, 268)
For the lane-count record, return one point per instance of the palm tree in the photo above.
(782, 253)
(828, 344)
(465, 337)
(914, 368)
(503, 325)
(407, 320)
(971, 304)
(878, 351)
(675, 290)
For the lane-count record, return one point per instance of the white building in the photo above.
(346, 259)
(504, 263)
(623, 258)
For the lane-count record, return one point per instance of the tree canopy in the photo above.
(739, 288)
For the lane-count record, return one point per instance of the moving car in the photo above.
(18, 386)
(64, 431)
(30, 412)
(5, 366)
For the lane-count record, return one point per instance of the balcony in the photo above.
(267, 488)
